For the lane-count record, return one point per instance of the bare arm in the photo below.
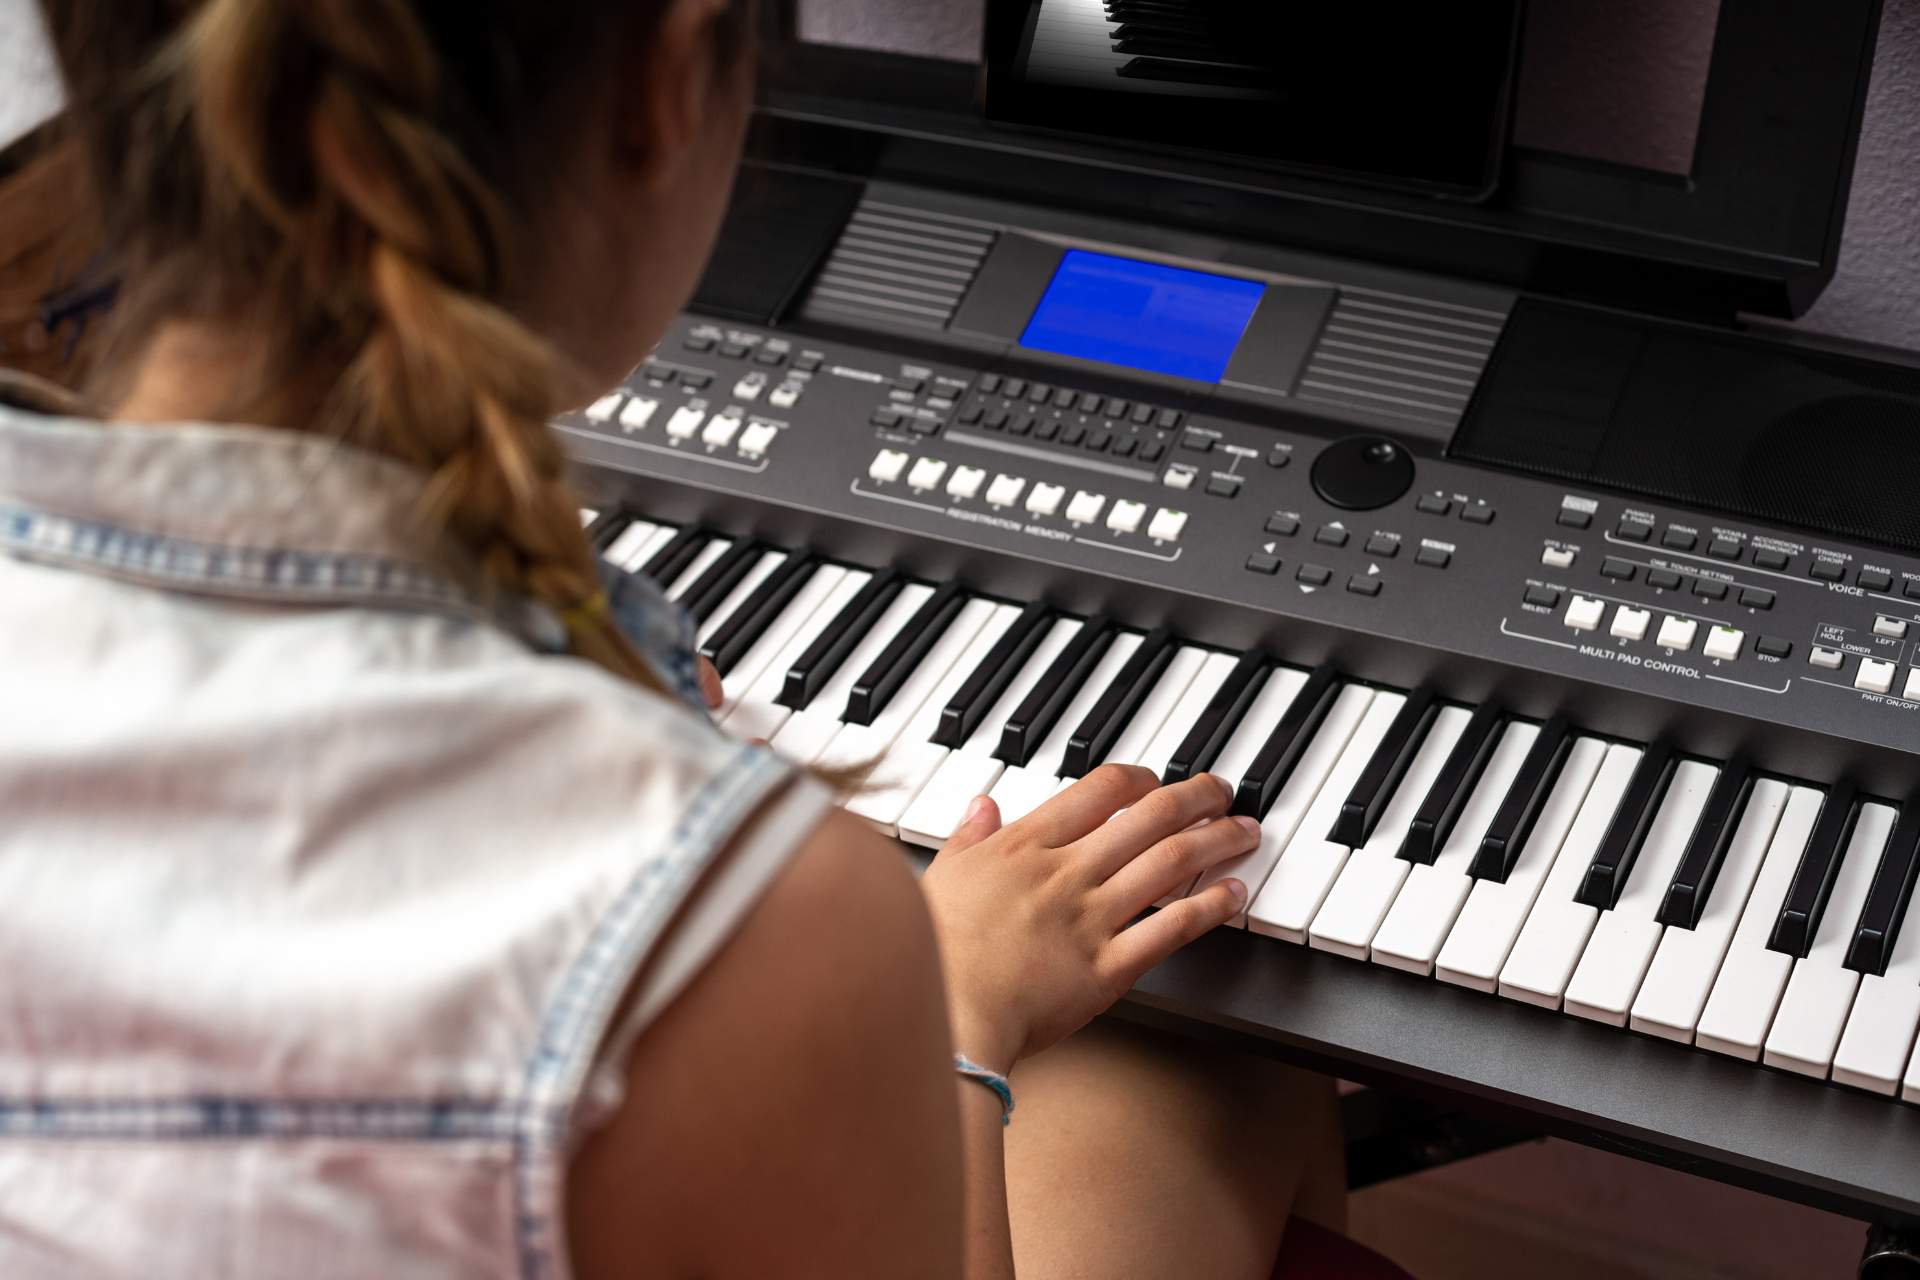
(792, 1113)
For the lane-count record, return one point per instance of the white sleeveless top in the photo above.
(321, 883)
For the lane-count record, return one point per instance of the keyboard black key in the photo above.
(1036, 715)
(887, 672)
(1433, 821)
(679, 551)
(1361, 811)
(745, 625)
(1607, 874)
(1513, 820)
(823, 657)
(1812, 882)
(971, 702)
(606, 526)
(1887, 898)
(1198, 750)
(1284, 746)
(1110, 715)
(712, 588)
(1686, 895)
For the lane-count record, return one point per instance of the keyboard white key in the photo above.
(971, 769)
(1022, 789)
(914, 756)
(1416, 928)
(1556, 930)
(818, 586)
(1677, 985)
(1624, 939)
(1751, 978)
(1206, 682)
(1277, 692)
(758, 713)
(1372, 877)
(627, 543)
(1483, 936)
(862, 745)
(1878, 1042)
(1820, 991)
(762, 570)
(715, 548)
(806, 733)
(1286, 904)
(1159, 706)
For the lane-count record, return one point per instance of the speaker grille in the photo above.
(899, 266)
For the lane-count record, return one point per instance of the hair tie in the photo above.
(591, 610)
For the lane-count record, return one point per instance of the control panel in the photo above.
(1282, 514)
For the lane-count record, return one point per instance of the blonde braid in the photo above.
(396, 244)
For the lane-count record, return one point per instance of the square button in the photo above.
(1005, 490)
(1261, 562)
(1874, 676)
(1630, 623)
(1875, 580)
(1364, 584)
(1046, 429)
(1574, 518)
(1584, 614)
(1826, 659)
(1178, 478)
(1634, 530)
(966, 482)
(1125, 515)
(1773, 647)
(1167, 525)
(1383, 546)
(1285, 526)
(1827, 570)
(1615, 567)
(1557, 557)
(1724, 549)
(1314, 575)
(926, 475)
(1330, 536)
(1664, 579)
(1477, 513)
(1724, 642)
(1710, 588)
(1045, 499)
(1679, 540)
(1223, 487)
(1890, 628)
(1677, 633)
(1085, 507)
(1756, 598)
(1433, 557)
(1433, 504)
(1543, 597)
(887, 465)
(1771, 558)
(1912, 690)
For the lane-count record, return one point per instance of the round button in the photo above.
(1362, 473)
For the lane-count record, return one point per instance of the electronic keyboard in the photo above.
(1583, 805)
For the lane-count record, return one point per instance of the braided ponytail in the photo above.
(391, 246)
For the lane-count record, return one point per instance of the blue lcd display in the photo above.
(1142, 315)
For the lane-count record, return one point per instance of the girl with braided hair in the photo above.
(378, 899)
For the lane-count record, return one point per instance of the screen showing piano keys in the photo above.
(1142, 315)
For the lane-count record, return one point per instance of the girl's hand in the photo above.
(1037, 920)
(710, 683)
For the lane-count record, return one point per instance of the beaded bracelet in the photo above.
(991, 1079)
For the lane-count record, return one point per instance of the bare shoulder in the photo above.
(792, 1112)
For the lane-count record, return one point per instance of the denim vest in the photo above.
(324, 877)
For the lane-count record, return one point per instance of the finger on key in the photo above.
(1172, 864)
(1086, 804)
(710, 688)
(1140, 947)
(1153, 818)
